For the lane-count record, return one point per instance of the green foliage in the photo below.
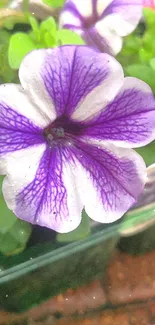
(45, 35)
(10, 17)
(20, 45)
(14, 233)
(81, 232)
(6, 73)
(35, 28)
(149, 18)
(143, 72)
(7, 218)
(54, 3)
(48, 30)
(65, 36)
(148, 153)
(42, 36)
(3, 3)
(139, 50)
(138, 60)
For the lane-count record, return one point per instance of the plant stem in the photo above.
(13, 15)
(26, 8)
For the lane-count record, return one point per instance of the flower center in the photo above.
(53, 135)
(57, 132)
(62, 131)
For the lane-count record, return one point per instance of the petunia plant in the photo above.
(43, 35)
(137, 55)
(102, 24)
(138, 59)
(14, 233)
(6, 73)
(54, 3)
(68, 146)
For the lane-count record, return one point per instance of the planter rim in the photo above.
(135, 220)
(121, 228)
(31, 264)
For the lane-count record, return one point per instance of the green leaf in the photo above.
(148, 153)
(6, 73)
(8, 245)
(54, 3)
(152, 63)
(48, 24)
(14, 241)
(7, 218)
(131, 44)
(48, 29)
(3, 3)
(130, 51)
(147, 40)
(49, 40)
(35, 28)
(20, 45)
(79, 233)
(145, 55)
(21, 231)
(65, 36)
(4, 37)
(142, 72)
(149, 16)
(139, 47)
(14, 233)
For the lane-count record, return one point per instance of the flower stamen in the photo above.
(53, 135)
(58, 132)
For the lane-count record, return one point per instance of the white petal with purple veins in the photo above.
(102, 5)
(21, 123)
(76, 79)
(112, 42)
(116, 25)
(68, 17)
(110, 19)
(110, 180)
(21, 169)
(43, 191)
(129, 120)
(85, 8)
(17, 133)
(30, 74)
(97, 99)
(14, 96)
(61, 149)
(130, 11)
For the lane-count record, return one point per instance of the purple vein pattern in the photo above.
(66, 136)
(102, 23)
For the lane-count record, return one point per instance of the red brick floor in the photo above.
(126, 296)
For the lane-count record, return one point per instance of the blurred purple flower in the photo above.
(102, 23)
(149, 3)
(66, 134)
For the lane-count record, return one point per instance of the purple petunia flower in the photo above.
(66, 134)
(102, 23)
(149, 3)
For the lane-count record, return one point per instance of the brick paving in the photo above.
(126, 296)
(131, 278)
